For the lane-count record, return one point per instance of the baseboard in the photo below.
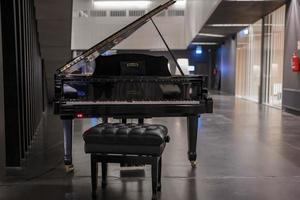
(290, 110)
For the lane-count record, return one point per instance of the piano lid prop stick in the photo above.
(172, 55)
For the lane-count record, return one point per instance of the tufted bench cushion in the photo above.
(122, 138)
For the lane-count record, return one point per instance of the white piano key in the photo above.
(74, 103)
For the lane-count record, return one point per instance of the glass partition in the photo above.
(273, 57)
(250, 55)
(248, 62)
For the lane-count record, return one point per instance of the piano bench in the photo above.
(126, 143)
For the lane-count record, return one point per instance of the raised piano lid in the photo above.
(112, 40)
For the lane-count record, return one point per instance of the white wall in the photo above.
(177, 30)
(197, 13)
(88, 31)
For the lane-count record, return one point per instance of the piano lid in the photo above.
(114, 39)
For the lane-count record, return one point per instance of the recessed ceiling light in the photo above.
(106, 4)
(121, 4)
(180, 4)
(246, 31)
(211, 35)
(247, 0)
(228, 25)
(204, 43)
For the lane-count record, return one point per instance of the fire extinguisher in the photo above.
(295, 63)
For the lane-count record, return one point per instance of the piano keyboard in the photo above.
(75, 103)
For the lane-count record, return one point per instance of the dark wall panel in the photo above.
(291, 80)
(22, 78)
(2, 137)
(11, 84)
(226, 62)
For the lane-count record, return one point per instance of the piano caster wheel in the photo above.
(194, 164)
(69, 168)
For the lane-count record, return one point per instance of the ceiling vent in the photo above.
(136, 13)
(82, 13)
(175, 13)
(118, 13)
(98, 13)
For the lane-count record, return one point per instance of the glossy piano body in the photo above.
(127, 86)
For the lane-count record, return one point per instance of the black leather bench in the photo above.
(121, 142)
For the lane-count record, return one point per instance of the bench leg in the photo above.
(94, 175)
(154, 175)
(159, 175)
(104, 174)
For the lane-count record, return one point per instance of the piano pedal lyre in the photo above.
(69, 168)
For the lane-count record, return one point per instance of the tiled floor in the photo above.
(245, 151)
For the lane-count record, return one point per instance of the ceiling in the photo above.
(231, 16)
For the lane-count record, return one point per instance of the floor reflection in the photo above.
(245, 151)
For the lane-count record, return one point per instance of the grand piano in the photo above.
(126, 86)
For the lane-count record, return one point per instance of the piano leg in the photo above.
(68, 131)
(192, 125)
(104, 119)
(141, 120)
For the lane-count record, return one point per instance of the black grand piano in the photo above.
(128, 86)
